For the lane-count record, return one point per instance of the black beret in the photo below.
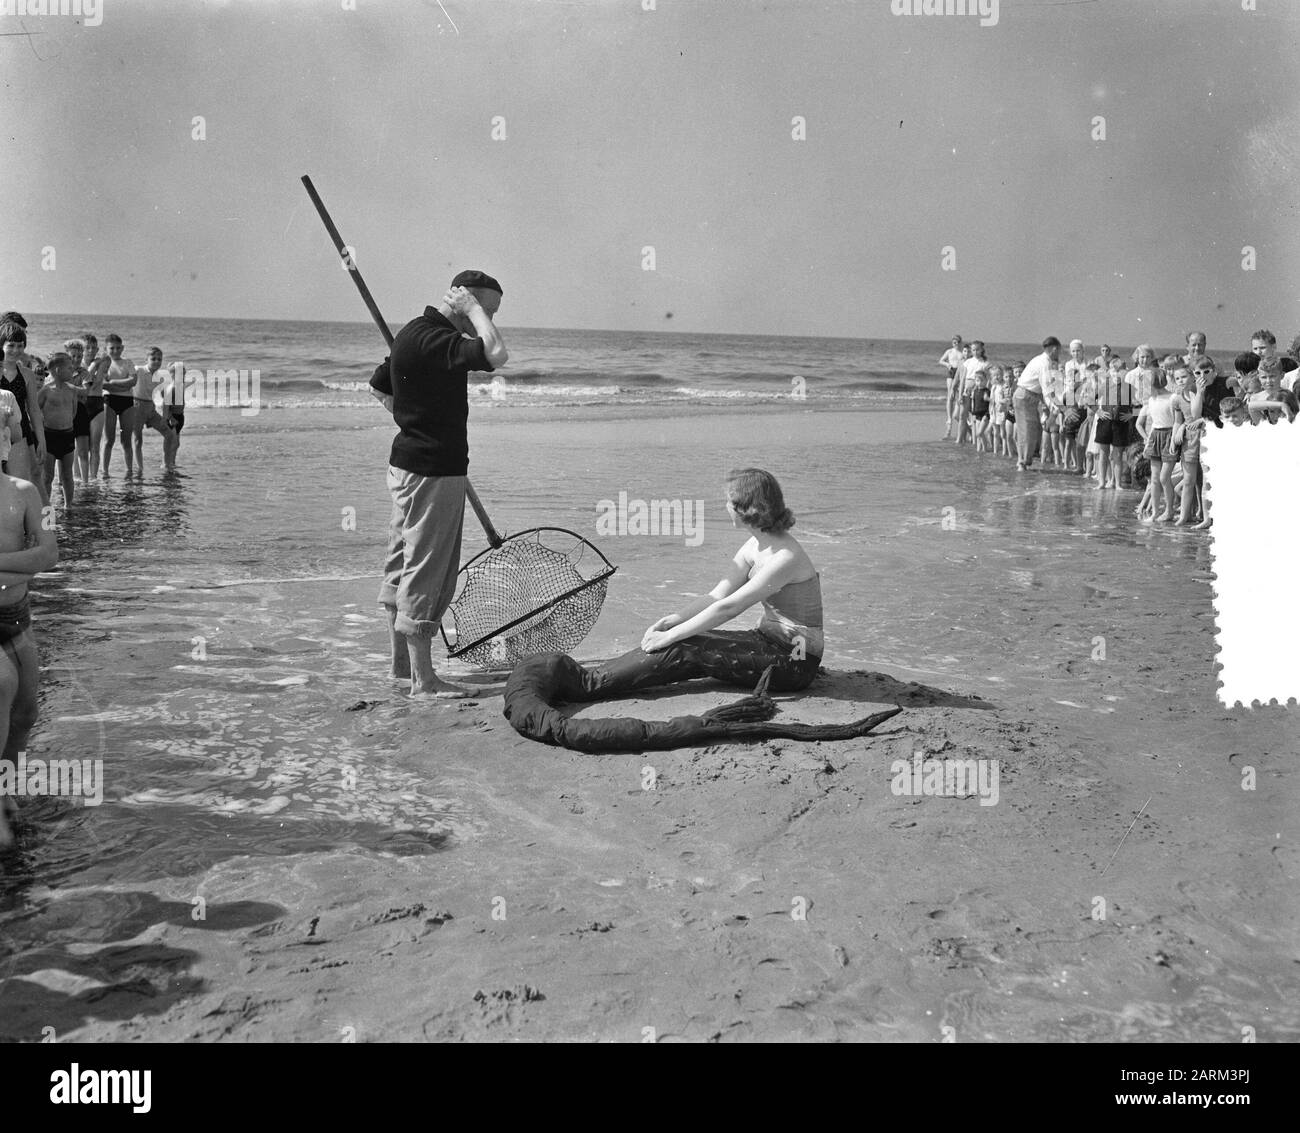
(472, 278)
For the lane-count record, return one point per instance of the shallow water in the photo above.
(205, 636)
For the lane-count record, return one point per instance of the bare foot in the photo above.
(438, 689)
(1180, 522)
(1202, 526)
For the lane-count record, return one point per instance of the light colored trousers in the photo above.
(423, 549)
(1029, 430)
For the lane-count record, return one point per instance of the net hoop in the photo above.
(605, 571)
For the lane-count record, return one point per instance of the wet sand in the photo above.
(515, 891)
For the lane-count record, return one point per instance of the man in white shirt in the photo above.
(953, 359)
(1035, 384)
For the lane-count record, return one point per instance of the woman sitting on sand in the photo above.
(772, 569)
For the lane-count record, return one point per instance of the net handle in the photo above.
(493, 535)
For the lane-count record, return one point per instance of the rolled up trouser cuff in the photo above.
(405, 625)
(423, 557)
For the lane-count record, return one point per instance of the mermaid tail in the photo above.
(540, 683)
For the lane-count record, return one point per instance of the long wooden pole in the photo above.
(494, 536)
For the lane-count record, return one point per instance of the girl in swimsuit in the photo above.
(95, 368)
(772, 569)
(28, 452)
(119, 402)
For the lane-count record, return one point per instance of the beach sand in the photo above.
(543, 894)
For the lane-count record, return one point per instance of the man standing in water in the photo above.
(425, 383)
(1036, 382)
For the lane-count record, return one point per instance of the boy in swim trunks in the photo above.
(119, 400)
(145, 413)
(76, 350)
(26, 549)
(171, 395)
(95, 368)
(58, 402)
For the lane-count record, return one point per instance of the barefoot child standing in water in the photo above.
(26, 549)
(95, 368)
(58, 402)
(172, 397)
(81, 422)
(119, 401)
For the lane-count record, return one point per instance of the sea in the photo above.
(316, 365)
(211, 640)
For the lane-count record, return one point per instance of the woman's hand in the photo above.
(666, 622)
(655, 640)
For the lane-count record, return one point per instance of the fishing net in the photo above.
(540, 591)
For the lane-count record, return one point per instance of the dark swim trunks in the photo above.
(94, 405)
(119, 403)
(60, 442)
(81, 421)
(13, 620)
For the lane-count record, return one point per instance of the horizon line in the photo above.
(944, 339)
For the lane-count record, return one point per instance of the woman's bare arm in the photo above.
(771, 578)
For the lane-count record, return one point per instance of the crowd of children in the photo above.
(61, 415)
(1121, 424)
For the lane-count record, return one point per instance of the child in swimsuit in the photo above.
(27, 547)
(119, 401)
(58, 403)
(21, 382)
(76, 350)
(172, 397)
(10, 423)
(1052, 452)
(1160, 415)
(980, 399)
(95, 368)
(999, 400)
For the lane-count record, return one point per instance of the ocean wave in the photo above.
(536, 377)
(303, 384)
(884, 386)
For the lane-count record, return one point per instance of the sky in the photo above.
(619, 129)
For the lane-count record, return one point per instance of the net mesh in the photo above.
(533, 594)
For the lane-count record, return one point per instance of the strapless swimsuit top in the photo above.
(796, 611)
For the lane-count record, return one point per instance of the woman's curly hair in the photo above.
(758, 501)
